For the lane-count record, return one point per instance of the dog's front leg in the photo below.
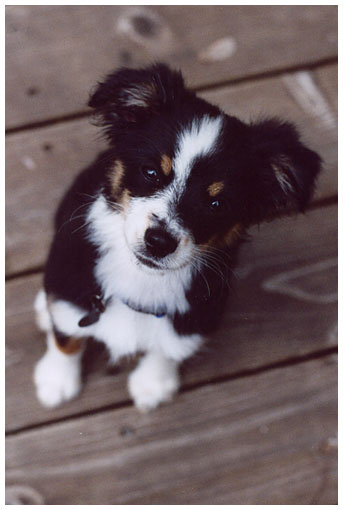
(155, 380)
(57, 374)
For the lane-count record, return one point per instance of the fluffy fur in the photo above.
(147, 236)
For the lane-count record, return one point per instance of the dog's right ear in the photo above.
(130, 95)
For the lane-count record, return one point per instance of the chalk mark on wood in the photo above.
(307, 94)
(281, 283)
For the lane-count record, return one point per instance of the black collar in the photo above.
(157, 314)
(98, 306)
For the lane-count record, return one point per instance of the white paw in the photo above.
(57, 380)
(153, 382)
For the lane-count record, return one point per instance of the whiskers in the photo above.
(82, 210)
(194, 262)
(73, 216)
(212, 259)
(115, 206)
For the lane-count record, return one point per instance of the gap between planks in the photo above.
(288, 362)
(206, 88)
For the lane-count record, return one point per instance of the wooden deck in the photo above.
(256, 420)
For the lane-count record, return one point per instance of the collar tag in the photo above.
(98, 306)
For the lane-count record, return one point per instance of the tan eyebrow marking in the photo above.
(166, 164)
(117, 176)
(215, 188)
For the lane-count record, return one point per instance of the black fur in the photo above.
(266, 169)
(69, 270)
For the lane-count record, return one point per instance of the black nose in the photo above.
(159, 243)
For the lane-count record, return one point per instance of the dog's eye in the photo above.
(215, 204)
(151, 174)
(218, 206)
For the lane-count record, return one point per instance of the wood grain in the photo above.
(327, 78)
(282, 305)
(42, 162)
(270, 439)
(56, 54)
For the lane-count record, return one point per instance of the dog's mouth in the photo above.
(148, 262)
(160, 265)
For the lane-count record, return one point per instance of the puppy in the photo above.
(147, 236)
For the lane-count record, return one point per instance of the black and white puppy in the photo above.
(147, 236)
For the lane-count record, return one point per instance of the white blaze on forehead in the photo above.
(197, 140)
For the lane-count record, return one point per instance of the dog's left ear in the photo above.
(282, 171)
(130, 96)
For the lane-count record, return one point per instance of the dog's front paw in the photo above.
(56, 379)
(154, 381)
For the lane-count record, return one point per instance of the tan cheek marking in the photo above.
(215, 188)
(234, 234)
(72, 346)
(211, 242)
(116, 176)
(166, 164)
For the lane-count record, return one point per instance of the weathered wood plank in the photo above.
(267, 439)
(42, 162)
(283, 305)
(50, 68)
(327, 78)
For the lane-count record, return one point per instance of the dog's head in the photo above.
(186, 175)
